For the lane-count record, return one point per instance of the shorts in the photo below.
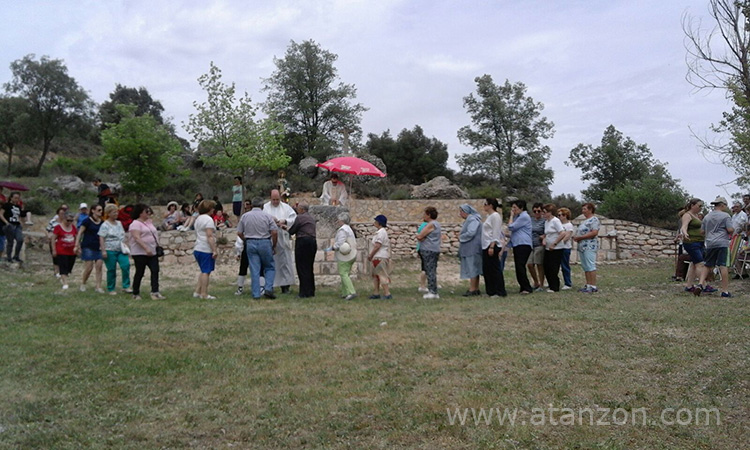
(588, 260)
(537, 255)
(89, 254)
(716, 257)
(695, 250)
(206, 262)
(66, 263)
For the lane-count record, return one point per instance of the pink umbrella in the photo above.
(13, 186)
(351, 165)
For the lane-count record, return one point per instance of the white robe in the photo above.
(330, 192)
(284, 256)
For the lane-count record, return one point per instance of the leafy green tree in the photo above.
(14, 118)
(720, 59)
(227, 133)
(411, 158)
(56, 102)
(123, 95)
(653, 199)
(141, 150)
(304, 96)
(507, 138)
(615, 163)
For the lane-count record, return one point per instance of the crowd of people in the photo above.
(107, 236)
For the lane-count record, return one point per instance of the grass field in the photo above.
(89, 370)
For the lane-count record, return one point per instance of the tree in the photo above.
(227, 133)
(507, 138)
(303, 96)
(411, 158)
(141, 150)
(56, 102)
(123, 95)
(617, 162)
(727, 69)
(14, 123)
(654, 199)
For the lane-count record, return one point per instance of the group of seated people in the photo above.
(182, 217)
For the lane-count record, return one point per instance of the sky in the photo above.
(592, 63)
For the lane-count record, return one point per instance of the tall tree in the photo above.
(507, 137)
(720, 59)
(412, 157)
(617, 162)
(227, 133)
(14, 123)
(123, 95)
(56, 101)
(305, 95)
(141, 150)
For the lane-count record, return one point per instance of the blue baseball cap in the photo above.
(382, 220)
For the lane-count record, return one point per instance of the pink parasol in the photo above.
(351, 165)
(13, 186)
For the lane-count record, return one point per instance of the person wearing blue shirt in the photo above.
(519, 225)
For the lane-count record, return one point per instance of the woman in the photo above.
(567, 246)
(380, 256)
(519, 226)
(10, 214)
(171, 217)
(470, 248)
(64, 246)
(205, 250)
(422, 275)
(492, 245)
(87, 245)
(429, 250)
(692, 240)
(536, 259)
(58, 218)
(237, 196)
(344, 234)
(111, 239)
(143, 242)
(554, 234)
(588, 245)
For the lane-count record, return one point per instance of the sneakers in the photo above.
(709, 289)
(387, 297)
(65, 287)
(374, 297)
(423, 289)
(350, 297)
(209, 297)
(697, 290)
(99, 290)
(82, 288)
(157, 296)
(566, 287)
(196, 295)
(589, 290)
(726, 295)
(690, 289)
(239, 290)
(128, 290)
(431, 296)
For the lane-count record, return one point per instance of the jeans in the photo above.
(14, 235)
(141, 261)
(113, 259)
(260, 257)
(565, 266)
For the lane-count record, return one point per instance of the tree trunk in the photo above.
(47, 144)
(10, 158)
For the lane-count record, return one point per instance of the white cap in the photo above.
(83, 205)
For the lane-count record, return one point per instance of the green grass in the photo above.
(86, 370)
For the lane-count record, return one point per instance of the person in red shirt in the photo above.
(63, 247)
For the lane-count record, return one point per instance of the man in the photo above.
(260, 233)
(334, 192)
(103, 192)
(304, 249)
(283, 214)
(739, 218)
(746, 201)
(717, 228)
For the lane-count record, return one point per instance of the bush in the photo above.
(86, 169)
(401, 192)
(35, 205)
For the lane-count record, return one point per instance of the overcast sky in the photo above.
(591, 63)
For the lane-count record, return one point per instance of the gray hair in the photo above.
(303, 206)
(258, 202)
(344, 217)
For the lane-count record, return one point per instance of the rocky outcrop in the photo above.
(71, 183)
(308, 167)
(438, 187)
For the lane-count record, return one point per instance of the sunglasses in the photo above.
(536, 210)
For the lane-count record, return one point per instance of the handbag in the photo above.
(124, 248)
(159, 248)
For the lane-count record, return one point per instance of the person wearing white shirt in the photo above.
(739, 218)
(283, 214)
(492, 244)
(334, 192)
(567, 246)
(551, 240)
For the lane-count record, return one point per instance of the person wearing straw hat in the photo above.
(380, 255)
(171, 216)
(345, 246)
